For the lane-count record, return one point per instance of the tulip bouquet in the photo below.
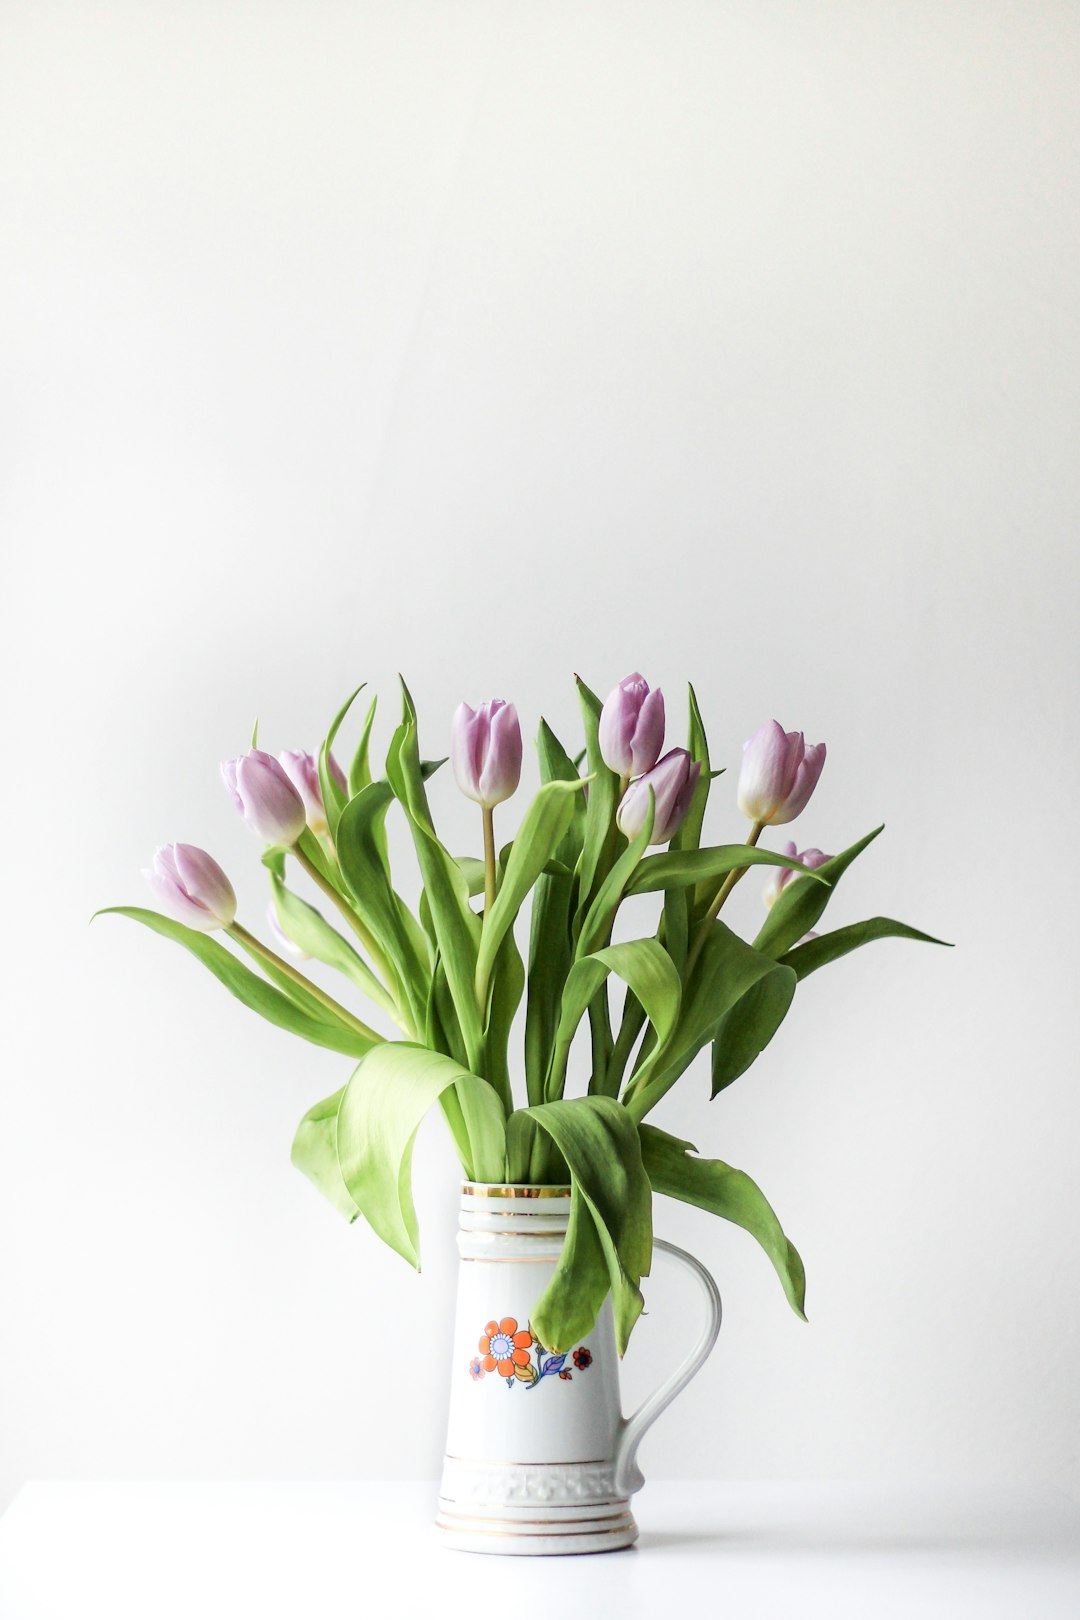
(621, 820)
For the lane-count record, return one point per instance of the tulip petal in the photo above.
(807, 773)
(649, 733)
(463, 751)
(178, 904)
(265, 797)
(502, 765)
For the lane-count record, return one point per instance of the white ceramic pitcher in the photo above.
(539, 1458)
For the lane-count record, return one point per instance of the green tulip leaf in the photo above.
(679, 868)
(542, 830)
(595, 930)
(270, 1003)
(609, 1234)
(598, 842)
(675, 1170)
(360, 769)
(799, 906)
(646, 969)
(314, 1151)
(747, 1028)
(726, 969)
(309, 930)
(378, 1118)
(816, 953)
(473, 871)
(456, 926)
(334, 796)
(688, 836)
(550, 946)
(503, 1000)
(360, 841)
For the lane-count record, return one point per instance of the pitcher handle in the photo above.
(628, 1476)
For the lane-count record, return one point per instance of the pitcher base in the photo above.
(605, 1527)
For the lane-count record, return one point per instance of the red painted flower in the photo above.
(582, 1359)
(475, 1368)
(503, 1347)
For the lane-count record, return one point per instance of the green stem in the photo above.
(257, 948)
(489, 858)
(721, 895)
(391, 989)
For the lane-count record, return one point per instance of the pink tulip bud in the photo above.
(191, 885)
(672, 780)
(632, 727)
(303, 773)
(778, 775)
(265, 797)
(282, 942)
(781, 876)
(485, 751)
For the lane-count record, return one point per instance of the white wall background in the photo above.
(732, 340)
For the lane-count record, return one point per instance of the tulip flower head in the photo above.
(672, 781)
(779, 773)
(192, 887)
(632, 728)
(781, 876)
(485, 751)
(303, 773)
(264, 796)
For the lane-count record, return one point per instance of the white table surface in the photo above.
(159, 1551)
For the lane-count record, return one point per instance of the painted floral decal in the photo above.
(503, 1348)
(517, 1355)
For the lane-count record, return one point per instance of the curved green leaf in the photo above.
(689, 834)
(746, 1030)
(598, 840)
(542, 830)
(816, 953)
(314, 1151)
(596, 928)
(309, 929)
(645, 967)
(334, 797)
(715, 1186)
(473, 871)
(550, 943)
(503, 999)
(359, 842)
(360, 769)
(726, 969)
(378, 1118)
(796, 911)
(457, 928)
(276, 1007)
(609, 1234)
(678, 868)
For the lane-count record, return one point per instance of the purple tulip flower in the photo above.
(265, 797)
(192, 887)
(672, 780)
(632, 727)
(303, 772)
(779, 773)
(781, 876)
(485, 751)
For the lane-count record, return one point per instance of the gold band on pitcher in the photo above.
(473, 1190)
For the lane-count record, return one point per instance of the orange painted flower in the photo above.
(502, 1347)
